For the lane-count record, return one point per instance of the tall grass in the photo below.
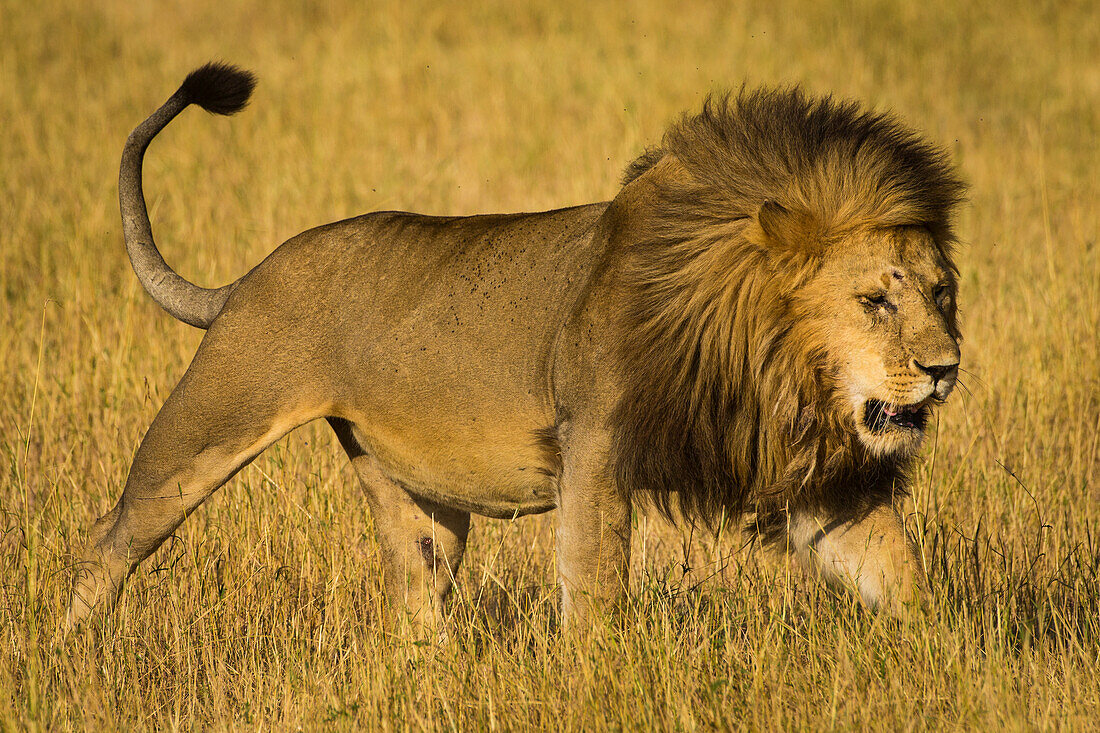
(263, 611)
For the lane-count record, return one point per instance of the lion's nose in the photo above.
(936, 371)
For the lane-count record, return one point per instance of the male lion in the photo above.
(758, 324)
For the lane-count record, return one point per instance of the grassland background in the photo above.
(263, 612)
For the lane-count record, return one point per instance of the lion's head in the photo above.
(883, 304)
(789, 317)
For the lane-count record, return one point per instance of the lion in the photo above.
(755, 329)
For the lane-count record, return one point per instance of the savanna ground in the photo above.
(263, 612)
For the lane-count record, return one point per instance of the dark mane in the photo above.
(726, 397)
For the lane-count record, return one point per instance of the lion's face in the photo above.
(886, 300)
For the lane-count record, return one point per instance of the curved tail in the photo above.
(220, 89)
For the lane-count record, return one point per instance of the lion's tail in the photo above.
(220, 89)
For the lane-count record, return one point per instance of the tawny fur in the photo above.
(734, 329)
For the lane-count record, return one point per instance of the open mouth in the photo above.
(880, 417)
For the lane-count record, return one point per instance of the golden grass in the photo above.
(263, 612)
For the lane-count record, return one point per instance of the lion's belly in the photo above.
(491, 471)
(455, 414)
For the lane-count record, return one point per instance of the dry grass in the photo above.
(262, 613)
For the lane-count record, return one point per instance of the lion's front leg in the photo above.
(593, 540)
(871, 555)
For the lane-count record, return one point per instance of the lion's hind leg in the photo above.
(220, 416)
(870, 554)
(422, 543)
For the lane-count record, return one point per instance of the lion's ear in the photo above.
(790, 229)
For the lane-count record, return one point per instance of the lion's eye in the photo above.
(941, 294)
(874, 301)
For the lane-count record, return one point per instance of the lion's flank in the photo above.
(727, 407)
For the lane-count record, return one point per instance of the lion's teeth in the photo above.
(889, 410)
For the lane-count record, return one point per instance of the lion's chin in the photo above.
(892, 430)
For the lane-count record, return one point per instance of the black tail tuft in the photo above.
(219, 88)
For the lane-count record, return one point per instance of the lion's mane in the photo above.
(728, 405)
